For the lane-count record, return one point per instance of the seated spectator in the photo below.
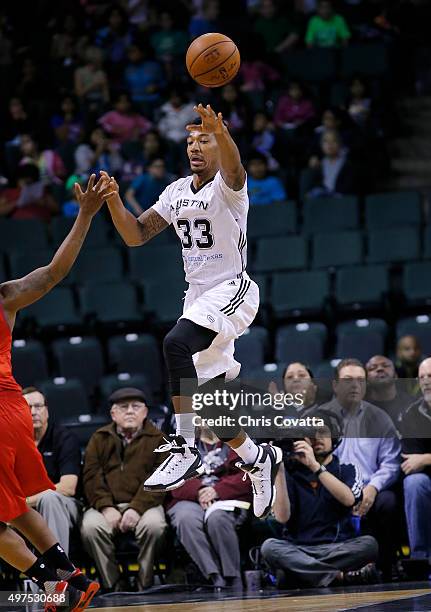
(370, 441)
(62, 459)
(327, 28)
(315, 496)
(139, 154)
(257, 76)
(145, 189)
(263, 188)
(359, 104)
(175, 114)
(278, 31)
(206, 20)
(168, 41)
(48, 161)
(416, 466)
(144, 79)
(332, 175)
(118, 460)
(123, 123)
(100, 153)
(263, 139)
(17, 121)
(383, 391)
(114, 38)
(67, 123)
(234, 108)
(298, 380)
(91, 82)
(208, 533)
(293, 108)
(31, 200)
(408, 358)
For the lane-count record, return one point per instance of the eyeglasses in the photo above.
(135, 406)
(37, 407)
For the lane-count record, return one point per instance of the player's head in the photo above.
(128, 408)
(297, 378)
(257, 165)
(38, 407)
(350, 383)
(380, 371)
(408, 350)
(425, 379)
(203, 153)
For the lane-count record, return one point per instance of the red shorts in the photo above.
(22, 471)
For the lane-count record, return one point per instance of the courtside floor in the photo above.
(402, 597)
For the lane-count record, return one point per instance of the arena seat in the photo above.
(427, 241)
(393, 245)
(66, 399)
(23, 262)
(304, 342)
(110, 303)
(331, 214)
(164, 299)
(419, 326)
(272, 220)
(81, 358)
(87, 426)
(250, 348)
(112, 382)
(360, 339)
(280, 253)
(359, 286)
(295, 293)
(24, 234)
(334, 249)
(4, 276)
(417, 283)
(155, 262)
(100, 265)
(137, 354)
(98, 234)
(386, 210)
(369, 59)
(262, 282)
(316, 65)
(29, 362)
(55, 310)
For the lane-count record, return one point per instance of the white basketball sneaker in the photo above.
(262, 474)
(184, 462)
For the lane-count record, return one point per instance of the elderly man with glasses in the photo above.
(62, 458)
(118, 459)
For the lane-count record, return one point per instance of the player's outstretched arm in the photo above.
(19, 293)
(134, 231)
(231, 168)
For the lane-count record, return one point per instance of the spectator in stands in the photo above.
(208, 533)
(278, 31)
(383, 391)
(48, 161)
(118, 459)
(91, 82)
(293, 108)
(123, 123)
(145, 189)
(99, 152)
(167, 41)
(31, 200)
(315, 496)
(263, 188)
(370, 442)
(62, 458)
(144, 79)
(206, 20)
(67, 123)
(114, 38)
(17, 121)
(327, 28)
(408, 358)
(416, 466)
(175, 114)
(263, 138)
(257, 75)
(233, 106)
(359, 103)
(333, 175)
(297, 380)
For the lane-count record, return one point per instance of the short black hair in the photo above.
(350, 361)
(257, 156)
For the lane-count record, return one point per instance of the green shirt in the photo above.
(274, 31)
(327, 33)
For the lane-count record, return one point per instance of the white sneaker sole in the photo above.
(177, 484)
(278, 460)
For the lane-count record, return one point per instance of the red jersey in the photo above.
(7, 381)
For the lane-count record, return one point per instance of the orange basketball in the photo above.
(213, 60)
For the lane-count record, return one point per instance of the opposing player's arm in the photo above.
(134, 231)
(231, 168)
(19, 293)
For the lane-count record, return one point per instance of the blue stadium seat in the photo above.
(66, 399)
(361, 339)
(361, 285)
(110, 303)
(272, 220)
(250, 349)
(303, 342)
(297, 293)
(280, 253)
(4, 276)
(369, 59)
(22, 235)
(80, 358)
(98, 234)
(331, 214)
(85, 426)
(112, 382)
(262, 282)
(23, 262)
(164, 300)
(99, 265)
(137, 354)
(395, 209)
(393, 245)
(427, 242)
(419, 326)
(316, 65)
(55, 310)
(29, 362)
(335, 249)
(156, 262)
(417, 283)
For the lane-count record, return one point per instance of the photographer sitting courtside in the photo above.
(315, 496)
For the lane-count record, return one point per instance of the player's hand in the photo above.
(211, 123)
(369, 495)
(90, 201)
(110, 185)
(112, 516)
(413, 463)
(305, 455)
(129, 520)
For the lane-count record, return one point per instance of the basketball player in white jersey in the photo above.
(209, 213)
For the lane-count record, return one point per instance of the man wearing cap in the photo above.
(118, 460)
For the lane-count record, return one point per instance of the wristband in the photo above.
(320, 471)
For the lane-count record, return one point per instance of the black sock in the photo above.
(57, 558)
(41, 572)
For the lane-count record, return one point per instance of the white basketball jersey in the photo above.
(211, 223)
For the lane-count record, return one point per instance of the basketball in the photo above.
(213, 60)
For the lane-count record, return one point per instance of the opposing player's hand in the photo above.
(212, 123)
(109, 185)
(129, 520)
(90, 201)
